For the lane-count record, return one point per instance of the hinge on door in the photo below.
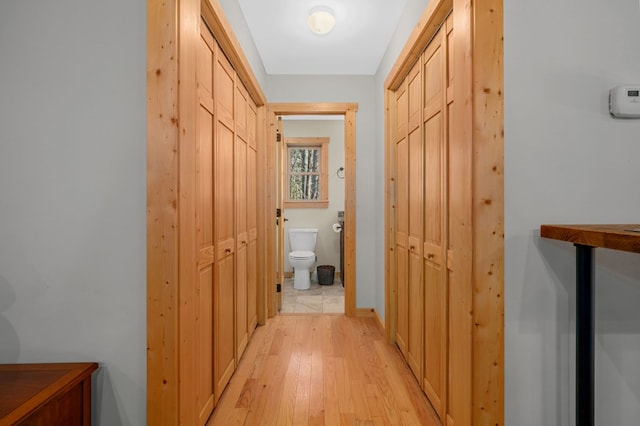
(278, 288)
(278, 136)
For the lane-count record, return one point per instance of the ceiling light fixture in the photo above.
(321, 20)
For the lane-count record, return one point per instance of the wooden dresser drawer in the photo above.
(46, 394)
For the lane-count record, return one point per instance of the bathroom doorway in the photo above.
(289, 123)
(313, 197)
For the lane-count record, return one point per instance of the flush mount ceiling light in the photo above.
(321, 20)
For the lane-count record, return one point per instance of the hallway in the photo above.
(322, 370)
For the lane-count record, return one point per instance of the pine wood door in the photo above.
(415, 304)
(453, 404)
(252, 217)
(204, 221)
(402, 217)
(223, 336)
(242, 239)
(434, 379)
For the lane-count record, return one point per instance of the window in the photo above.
(307, 178)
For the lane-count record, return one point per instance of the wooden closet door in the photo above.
(204, 225)
(242, 240)
(454, 403)
(224, 347)
(252, 218)
(415, 303)
(402, 217)
(435, 223)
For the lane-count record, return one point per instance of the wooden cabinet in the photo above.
(46, 394)
(422, 218)
(226, 222)
(204, 251)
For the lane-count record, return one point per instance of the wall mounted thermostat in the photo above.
(624, 101)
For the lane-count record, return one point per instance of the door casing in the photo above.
(349, 111)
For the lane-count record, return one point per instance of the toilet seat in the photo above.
(302, 254)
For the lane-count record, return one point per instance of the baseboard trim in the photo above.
(371, 313)
(365, 312)
(379, 321)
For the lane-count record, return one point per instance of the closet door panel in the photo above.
(435, 371)
(242, 242)
(252, 231)
(402, 219)
(224, 89)
(205, 124)
(223, 331)
(416, 312)
(224, 207)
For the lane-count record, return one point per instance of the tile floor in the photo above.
(327, 299)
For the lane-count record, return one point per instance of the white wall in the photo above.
(72, 193)
(328, 242)
(360, 89)
(568, 161)
(408, 20)
(233, 13)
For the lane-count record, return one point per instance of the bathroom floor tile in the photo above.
(317, 299)
(308, 307)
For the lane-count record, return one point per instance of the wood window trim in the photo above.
(315, 142)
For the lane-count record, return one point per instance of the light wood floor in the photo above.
(322, 370)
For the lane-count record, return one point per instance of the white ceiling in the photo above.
(354, 47)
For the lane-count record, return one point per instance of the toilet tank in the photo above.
(302, 239)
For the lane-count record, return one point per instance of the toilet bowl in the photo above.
(302, 257)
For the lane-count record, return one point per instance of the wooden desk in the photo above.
(46, 394)
(586, 238)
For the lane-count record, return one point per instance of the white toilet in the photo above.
(302, 257)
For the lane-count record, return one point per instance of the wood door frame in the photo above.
(477, 301)
(349, 111)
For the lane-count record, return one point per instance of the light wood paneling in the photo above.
(461, 351)
(180, 248)
(435, 221)
(212, 12)
(488, 231)
(189, 40)
(252, 218)
(162, 213)
(350, 210)
(465, 244)
(242, 239)
(224, 315)
(204, 219)
(415, 201)
(431, 20)
(401, 145)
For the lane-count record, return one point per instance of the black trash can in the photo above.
(325, 274)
